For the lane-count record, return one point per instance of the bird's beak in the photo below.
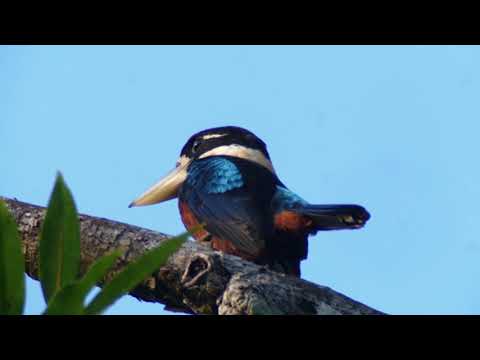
(165, 189)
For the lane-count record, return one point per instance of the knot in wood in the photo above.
(198, 266)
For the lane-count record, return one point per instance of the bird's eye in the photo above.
(195, 146)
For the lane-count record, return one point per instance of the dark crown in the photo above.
(209, 139)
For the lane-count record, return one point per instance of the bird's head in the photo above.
(221, 141)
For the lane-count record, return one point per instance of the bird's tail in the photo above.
(335, 217)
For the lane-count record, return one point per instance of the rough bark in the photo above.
(196, 279)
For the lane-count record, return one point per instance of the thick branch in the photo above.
(196, 279)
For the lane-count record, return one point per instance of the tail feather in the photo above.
(335, 217)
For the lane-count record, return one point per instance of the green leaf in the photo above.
(12, 266)
(59, 241)
(99, 269)
(134, 273)
(70, 299)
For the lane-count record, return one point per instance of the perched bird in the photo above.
(225, 179)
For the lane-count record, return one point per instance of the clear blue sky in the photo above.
(393, 128)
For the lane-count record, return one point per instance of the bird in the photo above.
(225, 180)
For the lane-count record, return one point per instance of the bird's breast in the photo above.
(190, 221)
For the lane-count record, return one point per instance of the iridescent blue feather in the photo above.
(215, 175)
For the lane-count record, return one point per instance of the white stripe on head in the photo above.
(213, 136)
(241, 152)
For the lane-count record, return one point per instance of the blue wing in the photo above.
(230, 196)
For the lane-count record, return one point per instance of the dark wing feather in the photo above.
(238, 214)
(230, 216)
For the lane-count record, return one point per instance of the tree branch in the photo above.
(196, 279)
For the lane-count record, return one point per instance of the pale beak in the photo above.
(165, 189)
